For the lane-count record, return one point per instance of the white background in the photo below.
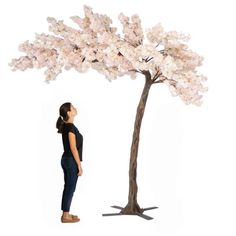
(186, 163)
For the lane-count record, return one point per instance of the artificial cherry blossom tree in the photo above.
(161, 57)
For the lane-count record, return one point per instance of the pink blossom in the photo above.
(97, 45)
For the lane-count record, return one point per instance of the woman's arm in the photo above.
(73, 148)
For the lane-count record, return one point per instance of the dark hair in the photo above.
(64, 108)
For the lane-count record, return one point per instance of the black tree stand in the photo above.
(138, 214)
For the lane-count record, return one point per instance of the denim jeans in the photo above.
(70, 170)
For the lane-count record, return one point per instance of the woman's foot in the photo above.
(69, 219)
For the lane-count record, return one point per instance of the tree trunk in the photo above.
(132, 207)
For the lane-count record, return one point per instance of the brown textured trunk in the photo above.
(132, 207)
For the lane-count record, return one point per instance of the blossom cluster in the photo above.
(97, 45)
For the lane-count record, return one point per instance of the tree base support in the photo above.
(138, 214)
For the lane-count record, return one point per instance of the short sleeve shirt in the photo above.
(70, 127)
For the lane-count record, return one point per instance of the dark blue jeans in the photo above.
(70, 170)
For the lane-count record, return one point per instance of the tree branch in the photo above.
(148, 59)
(173, 82)
(138, 71)
(147, 73)
(159, 81)
(158, 73)
(128, 42)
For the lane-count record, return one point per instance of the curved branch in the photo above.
(146, 73)
(138, 71)
(158, 73)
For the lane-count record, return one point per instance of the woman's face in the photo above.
(73, 111)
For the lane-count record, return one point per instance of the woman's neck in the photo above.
(69, 121)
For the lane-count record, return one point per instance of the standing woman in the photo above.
(71, 158)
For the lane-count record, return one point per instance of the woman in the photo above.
(71, 158)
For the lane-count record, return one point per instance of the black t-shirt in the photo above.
(70, 127)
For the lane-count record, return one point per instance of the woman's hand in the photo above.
(80, 170)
